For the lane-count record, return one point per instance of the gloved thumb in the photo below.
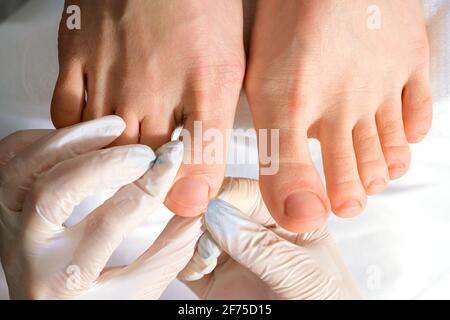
(290, 270)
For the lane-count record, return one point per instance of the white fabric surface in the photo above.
(396, 249)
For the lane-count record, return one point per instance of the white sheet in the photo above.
(396, 249)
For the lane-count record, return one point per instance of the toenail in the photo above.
(190, 192)
(304, 206)
(415, 138)
(396, 170)
(376, 185)
(350, 208)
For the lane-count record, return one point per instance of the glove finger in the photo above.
(18, 141)
(151, 273)
(55, 194)
(204, 260)
(288, 269)
(17, 176)
(157, 181)
(105, 228)
(241, 193)
(244, 194)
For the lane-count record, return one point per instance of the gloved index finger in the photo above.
(142, 201)
(158, 180)
(56, 193)
(18, 141)
(17, 176)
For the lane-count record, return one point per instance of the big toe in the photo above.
(189, 196)
(294, 194)
(295, 198)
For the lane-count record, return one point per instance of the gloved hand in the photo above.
(260, 259)
(45, 174)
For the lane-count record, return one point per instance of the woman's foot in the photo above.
(157, 64)
(350, 74)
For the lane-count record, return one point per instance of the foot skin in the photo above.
(316, 70)
(158, 66)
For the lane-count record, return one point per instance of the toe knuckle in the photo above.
(213, 76)
(397, 151)
(285, 95)
(421, 50)
(427, 101)
(367, 139)
(390, 127)
(344, 182)
(370, 161)
(422, 105)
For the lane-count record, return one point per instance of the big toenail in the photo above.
(304, 206)
(190, 192)
(376, 185)
(350, 208)
(396, 170)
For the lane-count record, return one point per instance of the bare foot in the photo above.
(157, 64)
(324, 69)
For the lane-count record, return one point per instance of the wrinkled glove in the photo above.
(45, 174)
(246, 255)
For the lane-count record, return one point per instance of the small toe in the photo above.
(371, 164)
(68, 97)
(417, 108)
(156, 129)
(346, 193)
(98, 99)
(131, 132)
(393, 140)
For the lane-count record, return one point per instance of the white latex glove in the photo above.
(262, 260)
(45, 174)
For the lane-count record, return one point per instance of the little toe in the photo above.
(393, 140)
(417, 108)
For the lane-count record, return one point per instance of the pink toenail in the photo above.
(376, 185)
(415, 138)
(190, 192)
(305, 206)
(396, 170)
(350, 208)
